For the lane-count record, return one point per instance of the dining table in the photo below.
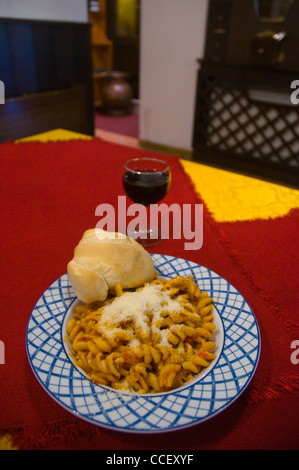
(51, 187)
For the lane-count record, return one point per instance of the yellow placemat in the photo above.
(55, 135)
(6, 443)
(233, 197)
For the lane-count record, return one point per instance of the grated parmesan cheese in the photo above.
(138, 310)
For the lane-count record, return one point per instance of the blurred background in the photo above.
(209, 80)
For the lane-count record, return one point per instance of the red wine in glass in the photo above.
(146, 187)
(146, 181)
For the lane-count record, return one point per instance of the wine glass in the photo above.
(146, 181)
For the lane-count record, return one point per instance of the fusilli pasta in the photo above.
(149, 340)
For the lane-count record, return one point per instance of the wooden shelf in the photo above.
(97, 75)
(101, 49)
(102, 44)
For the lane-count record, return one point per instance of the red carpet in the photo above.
(123, 125)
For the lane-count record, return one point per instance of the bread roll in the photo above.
(102, 260)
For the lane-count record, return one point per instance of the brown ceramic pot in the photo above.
(117, 94)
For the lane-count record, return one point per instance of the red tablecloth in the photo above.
(49, 195)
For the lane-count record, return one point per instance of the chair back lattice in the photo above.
(229, 121)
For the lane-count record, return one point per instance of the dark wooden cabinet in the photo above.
(244, 117)
(246, 122)
(238, 33)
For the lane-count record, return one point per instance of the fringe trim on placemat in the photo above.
(291, 327)
(35, 437)
(273, 388)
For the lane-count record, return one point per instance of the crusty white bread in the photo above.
(104, 259)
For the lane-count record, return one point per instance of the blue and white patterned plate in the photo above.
(238, 349)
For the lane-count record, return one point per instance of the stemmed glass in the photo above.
(146, 181)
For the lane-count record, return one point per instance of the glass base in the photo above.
(146, 237)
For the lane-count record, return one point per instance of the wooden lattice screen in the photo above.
(237, 131)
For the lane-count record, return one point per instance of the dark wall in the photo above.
(43, 56)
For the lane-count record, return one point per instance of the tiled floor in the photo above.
(127, 124)
(117, 138)
(120, 130)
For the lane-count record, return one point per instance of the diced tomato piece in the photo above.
(203, 354)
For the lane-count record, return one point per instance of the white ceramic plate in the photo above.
(238, 350)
